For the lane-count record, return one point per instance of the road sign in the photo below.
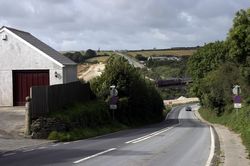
(113, 106)
(113, 92)
(236, 90)
(237, 105)
(237, 99)
(113, 100)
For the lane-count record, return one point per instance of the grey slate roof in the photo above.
(42, 46)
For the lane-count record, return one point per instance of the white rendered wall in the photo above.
(16, 55)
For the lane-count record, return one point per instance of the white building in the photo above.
(26, 61)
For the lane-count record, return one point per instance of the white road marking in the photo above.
(95, 155)
(42, 147)
(55, 144)
(212, 147)
(66, 143)
(8, 154)
(29, 150)
(143, 139)
(151, 135)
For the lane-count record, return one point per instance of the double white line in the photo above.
(150, 135)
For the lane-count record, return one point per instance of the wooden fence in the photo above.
(45, 99)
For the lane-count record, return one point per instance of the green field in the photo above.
(166, 52)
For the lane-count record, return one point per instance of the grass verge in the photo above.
(85, 120)
(83, 133)
(238, 122)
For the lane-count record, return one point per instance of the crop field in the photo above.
(102, 59)
(167, 52)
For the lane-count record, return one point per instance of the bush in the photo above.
(140, 103)
(90, 53)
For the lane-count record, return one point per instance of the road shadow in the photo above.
(60, 156)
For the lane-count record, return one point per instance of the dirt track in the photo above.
(92, 72)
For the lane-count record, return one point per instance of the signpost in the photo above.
(113, 99)
(237, 99)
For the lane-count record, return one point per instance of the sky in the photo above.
(122, 24)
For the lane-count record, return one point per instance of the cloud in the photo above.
(122, 24)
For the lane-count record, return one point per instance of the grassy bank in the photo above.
(83, 133)
(85, 120)
(89, 119)
(238, 122)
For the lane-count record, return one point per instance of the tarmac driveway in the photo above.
(12, 131)
(12, 122)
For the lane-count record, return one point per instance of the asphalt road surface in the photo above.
(181, 140)
(131, 60)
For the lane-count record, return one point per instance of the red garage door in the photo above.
(23, 80)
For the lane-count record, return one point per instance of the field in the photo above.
(102, 59)
(104, 53)
(164, 52)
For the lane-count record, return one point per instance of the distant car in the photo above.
(188, 108)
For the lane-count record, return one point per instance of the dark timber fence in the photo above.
(45, 99)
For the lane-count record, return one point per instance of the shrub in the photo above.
(141, 102)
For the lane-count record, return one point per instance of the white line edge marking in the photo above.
(95, 155)
(8, 154)
(212, 147)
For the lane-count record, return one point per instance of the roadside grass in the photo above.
(85, 120)
(83, 133)
(166, 110)
(238, 122)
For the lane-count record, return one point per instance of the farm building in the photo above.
(26, 61)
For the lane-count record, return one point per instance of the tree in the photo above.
(139, 101)
(206, 59)
(90, 53)
(239, 37)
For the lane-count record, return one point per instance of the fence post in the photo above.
(27, 116)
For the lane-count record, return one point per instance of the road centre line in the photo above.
(42, 147)
(29, 150)
(56, 144)
(151, 135)
(212, 147)
(95, 155)
(66, 143)
(8, 154)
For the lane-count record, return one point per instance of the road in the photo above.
(131, 60)
(180, 140)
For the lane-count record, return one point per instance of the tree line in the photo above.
(218, 66)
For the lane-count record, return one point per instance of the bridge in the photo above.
(173, 82)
